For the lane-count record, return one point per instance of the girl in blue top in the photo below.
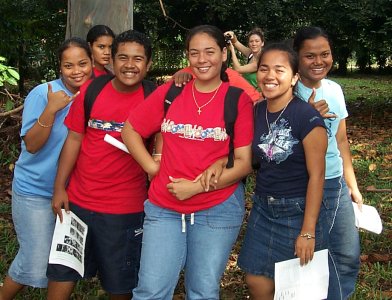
(43, 134)
(315, 61)
(290, 142)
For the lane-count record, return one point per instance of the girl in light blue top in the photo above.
(315, 61)
(43, 134)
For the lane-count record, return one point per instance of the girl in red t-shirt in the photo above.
(189, 223)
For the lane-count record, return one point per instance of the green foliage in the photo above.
(7, 74)
(30, 32)
(360, 27)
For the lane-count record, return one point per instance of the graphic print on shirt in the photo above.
(328, 124)
(277, 145)
(194, 132)
(105, 125)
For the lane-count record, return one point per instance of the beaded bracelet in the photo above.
(43, 125)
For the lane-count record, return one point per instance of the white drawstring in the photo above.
(183, 223)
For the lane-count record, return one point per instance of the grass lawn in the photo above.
(369, 101)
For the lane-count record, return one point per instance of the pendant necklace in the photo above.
(208, 102)
(271, 144)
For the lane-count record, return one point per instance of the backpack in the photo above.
(230, 113)
(96, 87)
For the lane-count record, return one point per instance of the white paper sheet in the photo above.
(368, 218)
(309, 282)
(115, 142)
(68, 242)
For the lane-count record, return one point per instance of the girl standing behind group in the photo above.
(252, 52)
(188, 226)
(100, 38)
(290, 142)
(43, 134)
(315, 61)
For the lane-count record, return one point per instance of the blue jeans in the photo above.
(201, 244)
(343, 243)
(34, 225)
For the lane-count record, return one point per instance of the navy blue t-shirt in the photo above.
(282, 172)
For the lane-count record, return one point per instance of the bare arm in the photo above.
(242, 48)
(222, 177)
(242, 167)
(136, 147)
(315, 146)
(237, 44)
(248, 68)
(68, 157)
(348, 170)
(37, 136)
(158, 145)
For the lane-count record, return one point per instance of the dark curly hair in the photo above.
(133, 36)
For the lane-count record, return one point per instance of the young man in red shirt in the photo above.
(106, 186)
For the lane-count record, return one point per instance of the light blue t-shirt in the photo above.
(331, 92)
(34, 174)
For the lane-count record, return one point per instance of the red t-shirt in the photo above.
(105, 179)
(98, 73)
(191, 142)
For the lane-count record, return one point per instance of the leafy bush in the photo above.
(7, 74)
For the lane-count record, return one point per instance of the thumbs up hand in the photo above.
(321, 106)
(58, 100)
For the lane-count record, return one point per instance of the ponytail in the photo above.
(223, 75)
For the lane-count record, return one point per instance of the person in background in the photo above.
(340, 188)
(252, 53)
(287, 219)
(100, 38)
(43, 134)
(103, 185)
(189, 225)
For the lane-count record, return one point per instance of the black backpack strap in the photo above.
(256, 112)
(230, 115)
(148, 87)
(92, 92)
(171, 94)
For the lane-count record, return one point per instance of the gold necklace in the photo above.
(208, 102)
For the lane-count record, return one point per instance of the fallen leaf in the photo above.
(364, 258)
(375, 257)
(371, 188)
(372, 167)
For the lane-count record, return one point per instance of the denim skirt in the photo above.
(273, 227)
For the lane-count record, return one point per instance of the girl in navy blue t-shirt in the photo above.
(290, 143)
